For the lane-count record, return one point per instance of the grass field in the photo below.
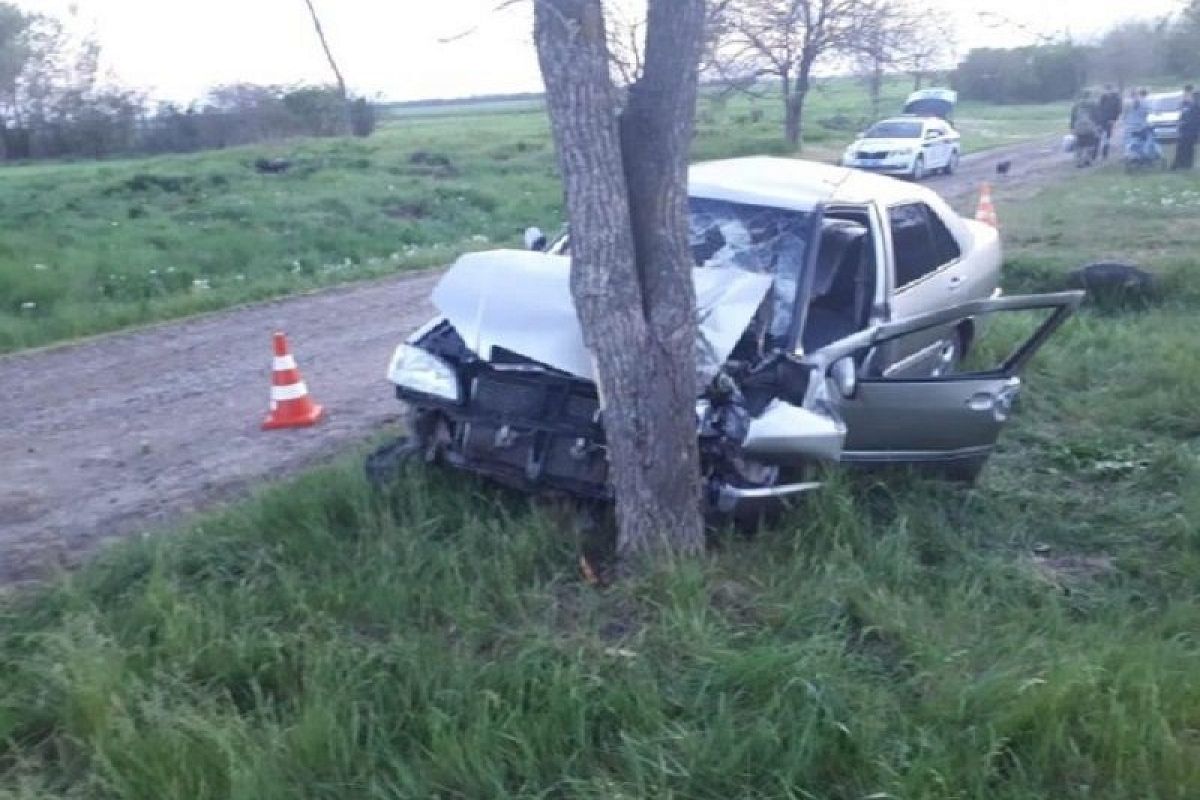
(1035, 637)
(92, 247)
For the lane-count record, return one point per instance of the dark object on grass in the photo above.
(1114, 285)
(436, 164)
(1003, 167)
(272, 166)
(386, 464)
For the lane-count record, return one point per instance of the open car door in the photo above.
(952, 414)
(932, 103)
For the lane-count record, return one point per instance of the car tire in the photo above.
(952, 164)
(918, 169)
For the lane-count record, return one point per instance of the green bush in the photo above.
(1036, 74)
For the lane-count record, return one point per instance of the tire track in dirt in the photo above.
(130, 432)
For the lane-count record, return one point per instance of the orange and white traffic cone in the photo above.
(987, 210)
(291, 407)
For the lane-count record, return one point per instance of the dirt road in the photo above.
(129, 432)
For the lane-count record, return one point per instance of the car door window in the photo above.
(916, 253)
(945, 246)
(982, 344)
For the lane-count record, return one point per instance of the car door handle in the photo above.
(955, 282)
(1000, 404)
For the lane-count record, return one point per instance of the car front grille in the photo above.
(532, 428)
(872, 154)
(537, 399)
(508, 399)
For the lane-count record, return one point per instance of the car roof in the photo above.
(934, 93)
(798, 184)
(909, 118)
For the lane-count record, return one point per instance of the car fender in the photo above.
(981, 260)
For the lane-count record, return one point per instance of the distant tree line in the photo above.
(1138, 49)
(1131, 51)
(54, 104)
(1033, 74)
(246, 113)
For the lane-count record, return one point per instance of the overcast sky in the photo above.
(398, 49)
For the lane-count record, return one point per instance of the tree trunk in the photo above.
(625, 177)
(793, 117)
(876, 87)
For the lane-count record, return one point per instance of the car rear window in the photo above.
(895, 130)
(920, 241)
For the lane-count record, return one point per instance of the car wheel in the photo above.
(952, 164)
(918, 168)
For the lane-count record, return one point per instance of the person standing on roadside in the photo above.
(1140, 146)
(1189, 130)
(1085, 124)
(1110, 112)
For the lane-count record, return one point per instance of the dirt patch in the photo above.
(133, 431)
(1030, 166)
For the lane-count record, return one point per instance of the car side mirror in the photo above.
(535, 240)
(932, 135)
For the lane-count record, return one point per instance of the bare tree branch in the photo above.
(786, 39)
(337, 73)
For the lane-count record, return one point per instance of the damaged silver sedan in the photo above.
(843, 317)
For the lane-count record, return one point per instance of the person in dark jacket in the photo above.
(1110, 112)
(1085, 125)
(1189, 130)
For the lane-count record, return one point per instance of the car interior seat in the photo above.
(842, 284)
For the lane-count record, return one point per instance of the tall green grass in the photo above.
(1037, 636)
(92, 247)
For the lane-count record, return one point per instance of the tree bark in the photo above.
(625, 178)
(793, 116)
(876, 87)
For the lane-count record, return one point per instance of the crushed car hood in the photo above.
(521, 301)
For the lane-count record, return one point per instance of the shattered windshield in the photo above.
(759, 239)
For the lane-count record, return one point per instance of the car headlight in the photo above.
(413, 368)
